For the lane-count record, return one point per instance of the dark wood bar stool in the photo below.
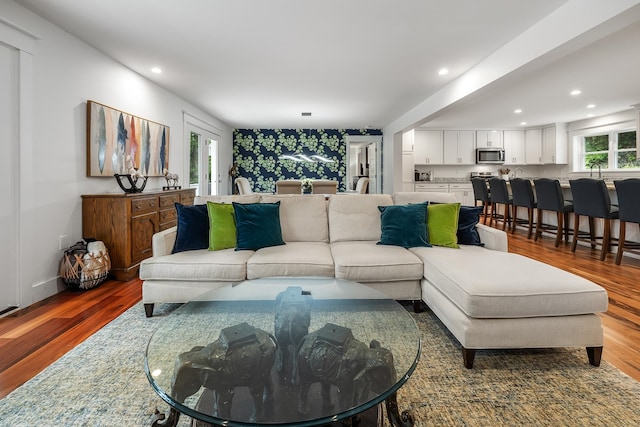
(500, 196)
(481, 193)
(628, 192)
(522, 194)
(591, 199)
(549, 197)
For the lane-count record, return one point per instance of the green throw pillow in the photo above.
(404, 225)
(442, 224)
(222, 227)
(257, 225)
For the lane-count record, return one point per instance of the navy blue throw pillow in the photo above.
(404, 225)
(193, 228)
(257, 225)
(467, 221)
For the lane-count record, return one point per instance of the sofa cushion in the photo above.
(492, 284)
(442, 224)
(257, 225)
(368, 262)
(467, 222)
(303, 218)
(222, 226)
(292, 259)
(404, 198)
(200, 265)
(238, 198)
(356, 216)
(404, 225)
(193, 228)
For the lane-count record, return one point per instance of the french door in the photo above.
(204, 174)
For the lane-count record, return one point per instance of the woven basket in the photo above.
(84, 271)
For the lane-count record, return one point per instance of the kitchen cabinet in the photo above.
(428, 147)
(464, 193)
(514, 151)
(533, 146)
(407, 141)
(126, 222)
(407, 167)
(554, 145)
(489, 139)
(431, 187)
(459, 147)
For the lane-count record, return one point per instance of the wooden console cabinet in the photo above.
(126, 223)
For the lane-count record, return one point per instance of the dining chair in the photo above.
(628, 193)
(324, 186)
(289, 186)
(523, 196)
(549, 197)
(243, 185)
(591, 199)
(500, 196)
(361, 185)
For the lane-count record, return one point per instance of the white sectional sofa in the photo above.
(488, 298)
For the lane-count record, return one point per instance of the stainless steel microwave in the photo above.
(489, 156)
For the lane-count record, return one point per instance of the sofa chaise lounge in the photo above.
(487, 297)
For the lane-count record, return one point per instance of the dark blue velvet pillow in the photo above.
(257, 225)
(467, 221)
(404, 225)
(193, 228)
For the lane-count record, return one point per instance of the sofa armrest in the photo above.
(493, 238)
(162, 242)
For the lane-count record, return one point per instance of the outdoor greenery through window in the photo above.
(611, 151)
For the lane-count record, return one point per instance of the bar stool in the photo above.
(628, 192)
(500, 196)
(591, 199)
(523, 196)
(481, 193)
(550, 198)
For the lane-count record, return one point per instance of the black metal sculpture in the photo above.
(332, 356)
(292, 319)
(242, 356)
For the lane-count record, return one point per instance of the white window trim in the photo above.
(613, 129)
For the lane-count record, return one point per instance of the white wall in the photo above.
(66, 73)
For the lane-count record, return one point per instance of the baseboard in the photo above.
(46, 289)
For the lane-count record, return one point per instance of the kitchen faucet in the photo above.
(599, 171)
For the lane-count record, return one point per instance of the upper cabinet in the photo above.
(407, 141)
(427, 147)
(533, 146)
(514, 153)
(459, 147)
(489, 139)
(554, 145)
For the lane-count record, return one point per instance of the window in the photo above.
(610, 151)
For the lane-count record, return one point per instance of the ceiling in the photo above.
(352, 64)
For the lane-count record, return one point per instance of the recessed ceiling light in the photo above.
(517, 111)
(443, 71)
(589, 115)
(305, 114)
(576, 92)
(156, 70)
(523, 123)
(591, 106)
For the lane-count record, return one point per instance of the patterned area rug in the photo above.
(102, 383)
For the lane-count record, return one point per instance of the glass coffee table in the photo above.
(284, 351)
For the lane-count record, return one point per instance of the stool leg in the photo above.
(506, 217)
(515, 219)
(538, 225)
(592, 232)
(566, 226)
(606, 239)
(559, 231)
(576, 230)
(622, 237)
(530, 211)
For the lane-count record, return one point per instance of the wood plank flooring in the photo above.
(34, 337)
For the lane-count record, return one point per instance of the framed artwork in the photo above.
(118, 141)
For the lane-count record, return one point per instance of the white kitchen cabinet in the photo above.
(489, 139)
(407, 167)
(514, 151)
(407, 141)
(431, 187)
(554, 145)
(533, 146)
(464, 193)
(459, 147)
(427, 147)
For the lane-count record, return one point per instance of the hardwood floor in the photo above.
(34, 337)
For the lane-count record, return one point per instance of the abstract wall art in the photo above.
(116, 139)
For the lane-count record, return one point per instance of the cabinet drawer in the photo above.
(460, 187)
(187, 198)
(168, 215)
(432, 187)
(169, 201)
(144, 204)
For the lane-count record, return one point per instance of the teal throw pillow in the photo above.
(404, 225)
(257, 225)
(442, 224)
(193, 228)
(222, 226)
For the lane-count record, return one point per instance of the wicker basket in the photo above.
(84, 270)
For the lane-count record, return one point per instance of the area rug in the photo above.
(101, 382)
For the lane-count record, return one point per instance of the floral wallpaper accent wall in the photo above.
(258, 154)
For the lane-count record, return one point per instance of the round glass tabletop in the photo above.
(286, 351)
